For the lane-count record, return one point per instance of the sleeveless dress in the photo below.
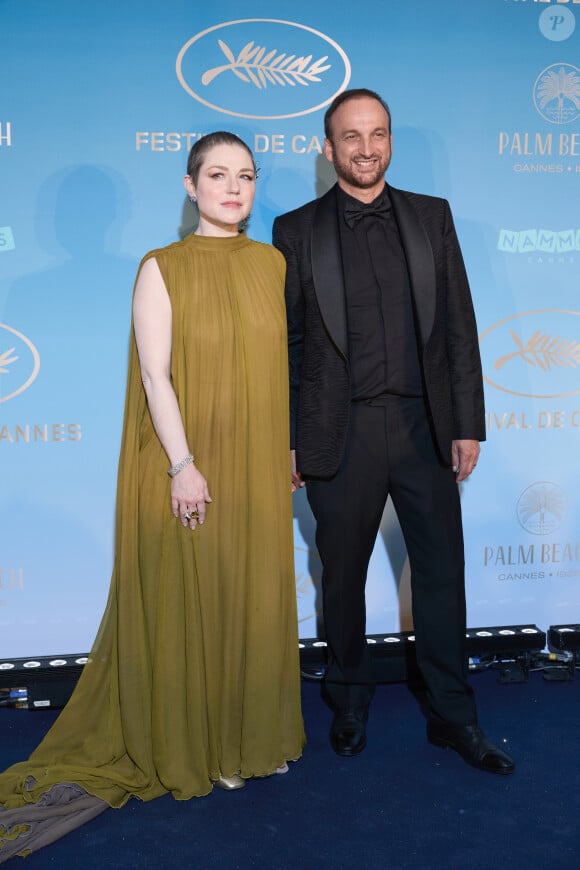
(195, 669)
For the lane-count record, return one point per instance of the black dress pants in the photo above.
(390, 451)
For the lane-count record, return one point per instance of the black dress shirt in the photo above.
(383, 352)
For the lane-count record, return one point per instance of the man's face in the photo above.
(360, 150)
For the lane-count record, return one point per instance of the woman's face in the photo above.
(225, 190)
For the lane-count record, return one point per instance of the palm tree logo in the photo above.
(557, 93)
(537, 358)
(257, 65)
(542, 351)
(542, 508)
(263, 68)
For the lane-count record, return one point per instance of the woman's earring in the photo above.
(193, 198)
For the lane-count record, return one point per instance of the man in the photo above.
(386, 399)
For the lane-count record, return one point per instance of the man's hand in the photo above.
(297, 481)
(464, 455)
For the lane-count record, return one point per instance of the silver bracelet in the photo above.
(181, 465)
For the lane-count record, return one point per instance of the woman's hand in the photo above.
(190, 496)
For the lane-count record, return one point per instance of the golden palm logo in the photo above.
(533, 354)
(254, 64)
(262, 68)
(543, 351)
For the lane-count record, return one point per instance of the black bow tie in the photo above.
(353, 212)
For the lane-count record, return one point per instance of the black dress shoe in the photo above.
(348, 733)
(472, 744)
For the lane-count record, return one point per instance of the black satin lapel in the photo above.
(420, 261)
(327, 270)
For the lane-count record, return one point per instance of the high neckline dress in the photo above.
(195, 670)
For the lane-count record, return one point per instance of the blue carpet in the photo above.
(401, 805)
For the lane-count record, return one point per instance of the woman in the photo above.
(193, 680)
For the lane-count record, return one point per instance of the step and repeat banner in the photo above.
(100, 104)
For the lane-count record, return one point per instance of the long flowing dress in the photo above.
(194, 672)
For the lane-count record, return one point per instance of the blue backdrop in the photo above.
(100, 105)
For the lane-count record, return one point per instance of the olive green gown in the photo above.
(195, 671)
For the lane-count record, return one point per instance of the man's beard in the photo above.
(345, 172)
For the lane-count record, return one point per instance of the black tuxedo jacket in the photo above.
(317, 329)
